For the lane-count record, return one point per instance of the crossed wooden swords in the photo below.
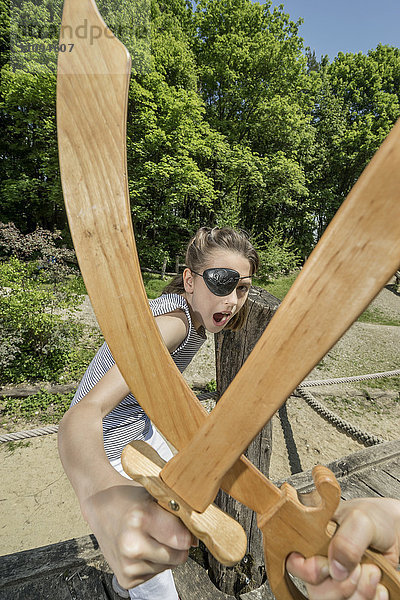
(358, 253)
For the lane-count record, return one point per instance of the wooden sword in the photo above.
(352, 262)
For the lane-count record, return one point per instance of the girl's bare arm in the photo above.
(80, 439)
(137, 537)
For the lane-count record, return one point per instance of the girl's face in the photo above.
(211, 311)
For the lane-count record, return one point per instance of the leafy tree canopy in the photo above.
(230, 120)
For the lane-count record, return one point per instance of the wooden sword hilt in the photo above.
(223, 536)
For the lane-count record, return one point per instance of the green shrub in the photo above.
(211, 386)
(278, 255)
(39, 294)
(37, 337)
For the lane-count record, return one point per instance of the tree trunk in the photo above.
(164, 268)
(232, 349)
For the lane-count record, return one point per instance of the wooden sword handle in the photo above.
(308, 530)
(223, 536)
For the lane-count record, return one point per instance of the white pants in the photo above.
(161, 586)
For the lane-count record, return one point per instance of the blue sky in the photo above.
(331, 26)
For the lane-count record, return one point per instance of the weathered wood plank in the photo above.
(31, 564)
(393, 468)
(261, 593)
(74, 584)
(374, 456)
(193, 583)
(46, 587)
(78, 584)
(30, 390)
(352, 487)
(395, 476)
(379, 481)
(74, 569)
(91, 582)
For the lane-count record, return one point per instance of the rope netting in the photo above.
(364, 437)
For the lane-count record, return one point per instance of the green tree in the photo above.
(31, 193)
(167, 141)
(254, 82)
(228, 121)
(356, 106)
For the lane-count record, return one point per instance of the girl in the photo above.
(140, 540)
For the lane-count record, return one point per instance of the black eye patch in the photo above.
(221, 281)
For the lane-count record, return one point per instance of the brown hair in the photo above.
(199, 251)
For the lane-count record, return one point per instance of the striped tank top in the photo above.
(128, 421)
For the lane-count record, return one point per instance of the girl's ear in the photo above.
(188, 281)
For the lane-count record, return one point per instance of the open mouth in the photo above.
(221, 318)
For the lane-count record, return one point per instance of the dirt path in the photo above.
(39, 507)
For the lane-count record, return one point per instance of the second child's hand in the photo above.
(362, 523)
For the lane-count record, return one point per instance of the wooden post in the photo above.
(232, 349)
(177, 265)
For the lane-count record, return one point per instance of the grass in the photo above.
(154, 284)
(360, 405)
(385, 383)
(39, 408)
(278, 287)
(12, 446)
(378, 317)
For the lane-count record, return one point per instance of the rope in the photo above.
(318, 407)
(207, 395)
(28, 433)
(358, 434)
(348, 379)
(31, 433)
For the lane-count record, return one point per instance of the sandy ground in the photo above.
(38, 505)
